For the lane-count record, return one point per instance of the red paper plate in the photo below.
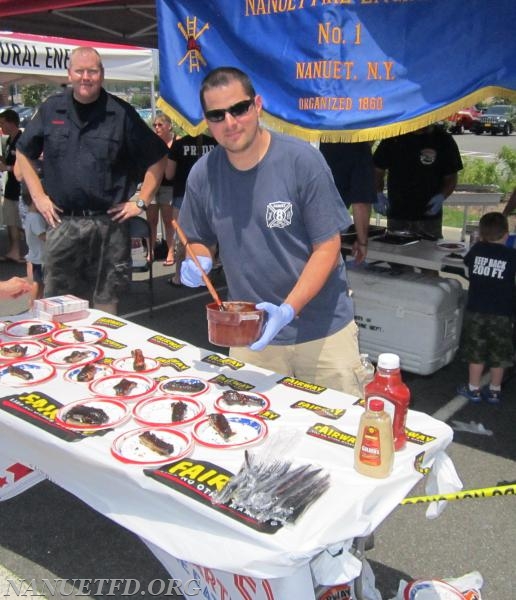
(105, 386)
(184, 386)
(128, 447)
(250, 403)
(21, 328)
(33, 350)
(117, 413)
(158, 410)
(39, 372)
(90, 334)
(126, 365)
(99, 371)
(247, 430)
(74, 355)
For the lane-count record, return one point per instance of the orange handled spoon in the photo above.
(192, 255)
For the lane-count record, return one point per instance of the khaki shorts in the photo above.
(329, 361)
(11, 213)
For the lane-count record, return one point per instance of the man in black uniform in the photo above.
(422, 169)
(96, 149)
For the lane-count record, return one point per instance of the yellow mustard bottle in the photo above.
(374, 446)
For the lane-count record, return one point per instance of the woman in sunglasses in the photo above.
(270, 202)
(162, 201)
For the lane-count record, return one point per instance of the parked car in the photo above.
(498, 118)
(25, 112)
(464, 120)
(145, 114)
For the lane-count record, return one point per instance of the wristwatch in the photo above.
(141, 204)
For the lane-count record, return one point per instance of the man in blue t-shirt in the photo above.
(270, 203)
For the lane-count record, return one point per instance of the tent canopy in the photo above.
(116, 21)
(26, 59)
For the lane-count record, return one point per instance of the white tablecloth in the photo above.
(176, 526)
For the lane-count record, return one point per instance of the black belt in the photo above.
(81, 213)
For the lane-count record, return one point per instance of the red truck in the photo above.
(463, 120)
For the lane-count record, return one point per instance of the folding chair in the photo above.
(139, 229)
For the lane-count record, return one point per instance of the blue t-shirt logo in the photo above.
(279, 214)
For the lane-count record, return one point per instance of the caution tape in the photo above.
(499, 490)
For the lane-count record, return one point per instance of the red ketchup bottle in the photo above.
(388, 386)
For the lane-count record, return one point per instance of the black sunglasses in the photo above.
(218, 115)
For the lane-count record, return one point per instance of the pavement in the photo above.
(47, 533)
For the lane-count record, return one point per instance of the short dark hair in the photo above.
(222, 76)
(11, 116)
(493, 226)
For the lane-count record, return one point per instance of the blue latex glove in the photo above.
(191, 275)
(435, 204)
(277, 318)
(381, 205)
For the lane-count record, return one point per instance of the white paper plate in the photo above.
(158, 410)
(33, 350)
(431, 589)
(184, 386)
(451, 246)
(249, 409)
(100, 371)
(58, 356)
(105, 386)
(129, 449)
(40, 372)
(91, 335)
(21, 328)
(247, 430)
(125, 365)
(117, 413)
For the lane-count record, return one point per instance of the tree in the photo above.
(33, 95)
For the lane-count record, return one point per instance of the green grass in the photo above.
(500, 172)
(454, 217)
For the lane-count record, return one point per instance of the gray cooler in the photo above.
(414, 315)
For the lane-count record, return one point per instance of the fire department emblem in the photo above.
(193, 48)
(427, 156)
(279, 214)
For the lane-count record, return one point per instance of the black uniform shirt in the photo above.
(417, 164)
(186, 151)
(94, 164)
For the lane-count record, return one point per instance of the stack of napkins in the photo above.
(61, 308)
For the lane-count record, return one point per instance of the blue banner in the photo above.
(340, 69)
